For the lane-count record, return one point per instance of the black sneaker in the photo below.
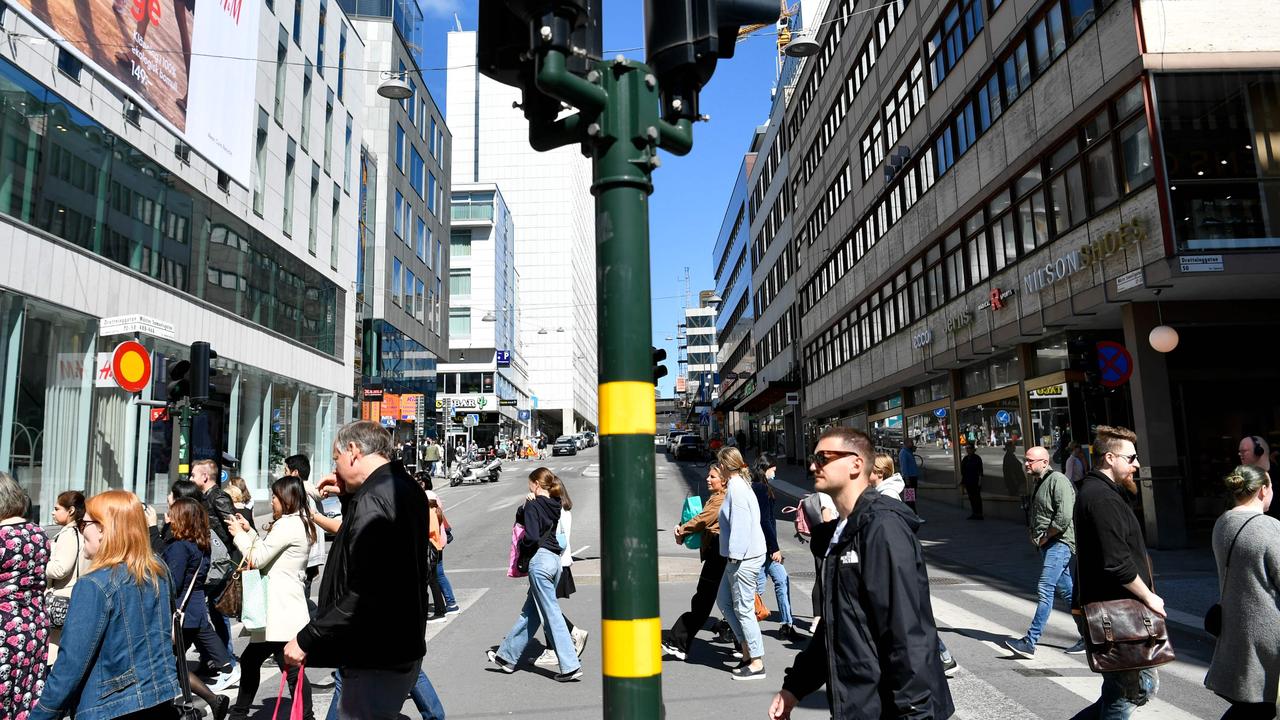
(569, 676)
(746, 673)
(673, 651)
(949, 667)
(496, 659)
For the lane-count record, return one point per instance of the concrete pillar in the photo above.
(1161, 482)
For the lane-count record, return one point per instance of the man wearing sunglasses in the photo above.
(875, 647)
(1112, 558)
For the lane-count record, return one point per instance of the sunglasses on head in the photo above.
(820, 458)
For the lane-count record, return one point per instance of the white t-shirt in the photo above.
(826, 503)
(836, 537)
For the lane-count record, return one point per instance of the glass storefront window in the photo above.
(931, 432)
(995, 429)
(886, 434)
(888, 403)
(935, 389)
(1051, 355)
(1051, 421)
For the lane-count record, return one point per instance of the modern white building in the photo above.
(549, 195)
(405, 259)
(116, 201)
(702, 385)
(485, 374)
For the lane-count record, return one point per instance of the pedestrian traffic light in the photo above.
(179, 387)
(683, 39)
(199, 371)
(659, 371)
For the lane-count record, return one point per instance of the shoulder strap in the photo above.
(1227, 569)
(77, 532)
(190, 588)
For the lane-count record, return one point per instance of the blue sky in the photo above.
(688, 203)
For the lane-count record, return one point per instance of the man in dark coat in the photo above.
(876, 647)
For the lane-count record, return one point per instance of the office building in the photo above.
(1001, 209)
(550, 199)
(735, 311)
(699, 342)
(167, 190)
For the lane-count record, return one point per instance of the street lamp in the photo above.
(802, 45)
(489, 317)
(394, 87)
(1163, 338)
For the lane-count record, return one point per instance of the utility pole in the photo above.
(626, 112)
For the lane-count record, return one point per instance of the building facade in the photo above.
(702, 388)
(485, 375)
(731, 258)
(996, 202)
(405, 333)
(115, 228)
(550, 198)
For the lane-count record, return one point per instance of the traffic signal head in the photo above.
(178, 387)
(684, 38)
(658, 370)
(200, 372)
(509, 31)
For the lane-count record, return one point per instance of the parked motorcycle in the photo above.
(476, 471)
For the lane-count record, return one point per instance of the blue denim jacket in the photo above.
(116, 655)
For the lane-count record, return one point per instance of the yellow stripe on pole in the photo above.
(631, 647)
(627, 408)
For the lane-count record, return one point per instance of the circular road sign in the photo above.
(940, 413)
(131, 366)
(1115, 364)
(1003, 417)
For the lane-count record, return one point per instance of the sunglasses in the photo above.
(1129, 458)
(820, 458)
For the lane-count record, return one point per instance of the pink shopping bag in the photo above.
(295, 709)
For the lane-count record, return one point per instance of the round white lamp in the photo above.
(1163, 338)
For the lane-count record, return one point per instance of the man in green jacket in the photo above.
(1053, 533)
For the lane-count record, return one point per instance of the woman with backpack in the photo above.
(763, 470)
(675, 642)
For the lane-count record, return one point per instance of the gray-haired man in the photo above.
(1053, 533)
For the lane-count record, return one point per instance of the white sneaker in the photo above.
(548, 658)
(226, 680)
(579, 640)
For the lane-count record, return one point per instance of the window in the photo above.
(297, 22)
(409, 281)
(328, 130)
(459, 283)
(69, 65)
(432, 191)
(872, 150)
(459, 322)
(335, 227)
(314, 214)
(260, 163)
(419, 302)
(320, 26)
(342, 58)
(433, 149)
(346, 165)
(287, 220)
(420, 239)
(395, 280)
(1103, 190)
(416, 167)
(1135, 148)
(960, 25)
(407, 223)
(460, 244)
(282, 55)
(397, 222)
(1080, 15)
(306, 105)
(399, 150)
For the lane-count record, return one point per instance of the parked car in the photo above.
(660, 441)
(673, 437)
(591, 438)
(690, 447)
(565, 445)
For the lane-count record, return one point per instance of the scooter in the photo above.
(479, 471)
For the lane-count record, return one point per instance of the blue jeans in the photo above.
(541, 607)
(423, 695)
(781, 587)
(1122, 692)
(1055, 575)
(445, 586)
(737, 600)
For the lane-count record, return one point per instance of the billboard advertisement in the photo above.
(191, 64)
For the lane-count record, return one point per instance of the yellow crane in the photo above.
(783, 25)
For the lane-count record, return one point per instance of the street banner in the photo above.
(192, 65)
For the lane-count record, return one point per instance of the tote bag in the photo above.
(517, 534)
(253, 604)
(692, 506)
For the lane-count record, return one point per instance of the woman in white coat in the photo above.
(67, 561)
(281, 557)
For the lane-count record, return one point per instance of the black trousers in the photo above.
(437, 593)
(974, 490)
(704, 599)
(251, 676)
(1250, 711)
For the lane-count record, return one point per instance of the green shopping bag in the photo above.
(692, 506)
(253, 609)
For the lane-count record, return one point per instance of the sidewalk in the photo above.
(999, 552)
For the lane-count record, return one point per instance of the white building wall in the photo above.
(549, 197)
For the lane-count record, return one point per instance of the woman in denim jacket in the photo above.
(116, 659)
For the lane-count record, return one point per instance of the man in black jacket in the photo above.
(372, 619)
(876, 646)
(1112, 558)
(205, 474)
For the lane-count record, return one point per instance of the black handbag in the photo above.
(184, 705)
(1213, 617)
(56, 606)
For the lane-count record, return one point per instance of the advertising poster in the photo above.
(191, 63)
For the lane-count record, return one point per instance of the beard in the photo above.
(1129, 484)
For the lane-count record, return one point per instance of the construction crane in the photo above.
(783, 25)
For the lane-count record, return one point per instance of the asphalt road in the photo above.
(974, 614)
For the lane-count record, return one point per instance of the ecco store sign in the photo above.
(1127, 235)
(922, 338)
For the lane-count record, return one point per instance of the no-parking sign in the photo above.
(1115, 364)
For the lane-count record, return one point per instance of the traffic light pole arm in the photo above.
(676, 139)
(555, 80)
(558, 133)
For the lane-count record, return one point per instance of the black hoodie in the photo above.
(876, 648)
(540, 516)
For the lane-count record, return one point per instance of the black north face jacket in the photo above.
(876, 648)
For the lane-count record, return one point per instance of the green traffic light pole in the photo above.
(618, 124)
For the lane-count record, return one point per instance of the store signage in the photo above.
(996, 299)
(922, 338)
(959, 320)
(731, 376)
(375, 395)
(1200, 263)
(1125, 236)
(130, 324)
(465, 402)
(131, 366)
(1053, 391)
(793, 398)
(1130, 280)
(503, 402)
